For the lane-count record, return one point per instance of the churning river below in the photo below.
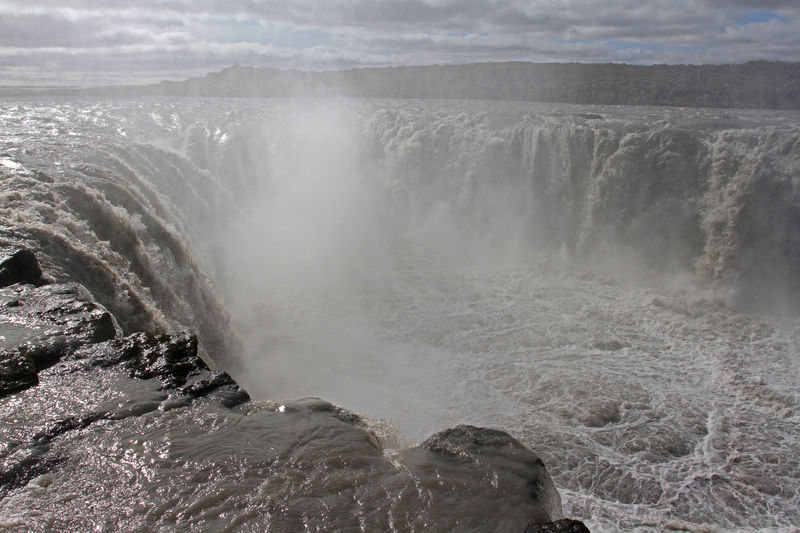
(611, 286)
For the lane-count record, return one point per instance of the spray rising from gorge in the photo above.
(574, 274)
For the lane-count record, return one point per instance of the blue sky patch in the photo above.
(757, 15)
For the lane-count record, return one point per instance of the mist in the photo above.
(341, 231)
(308, 248)
(600, 281)
(354, 217)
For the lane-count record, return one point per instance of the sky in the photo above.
(100, 42)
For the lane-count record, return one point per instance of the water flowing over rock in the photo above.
(120, 393)
(614, 286)
(53, 321)
(21, 266)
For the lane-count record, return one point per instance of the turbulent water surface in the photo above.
(615, 287)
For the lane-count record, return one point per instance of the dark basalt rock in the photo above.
(318, 405)
(466, 441)
(71, 307)
(213, 381)
(60, 319)
(219, 384)
(170, 358)
(62, 332)
(64, 309)
(46, 350)
(564, 525)
(481, 450)
(71, 423)
(73, 328)
(35, 462)
(17, 372)
(21, 266)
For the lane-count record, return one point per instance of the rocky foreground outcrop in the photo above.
(102, 430)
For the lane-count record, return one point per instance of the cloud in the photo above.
(108, 41)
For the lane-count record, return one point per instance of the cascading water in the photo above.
(576, 276)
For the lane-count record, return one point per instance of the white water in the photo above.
(571, 279)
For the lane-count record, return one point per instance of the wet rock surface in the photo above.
(56, 336)
(17, 372)
(170, 358)
(50, 322)
(475, 450)
(565, 525)
(20, 266)
(89, 418)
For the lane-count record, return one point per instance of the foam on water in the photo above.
(646, 406)
(577, 281)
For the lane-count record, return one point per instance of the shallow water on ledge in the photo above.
(15, 334)
(297, 466)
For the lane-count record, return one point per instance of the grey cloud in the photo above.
(36, 31)
(177, 38)
(791, 5)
